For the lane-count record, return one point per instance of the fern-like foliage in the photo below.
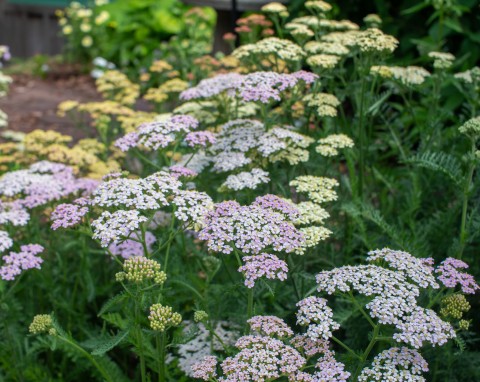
(439, 162)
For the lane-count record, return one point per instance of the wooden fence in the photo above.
(30, 27)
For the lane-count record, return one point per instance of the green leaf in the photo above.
(115, 300)
(107, 344)
(439, 162)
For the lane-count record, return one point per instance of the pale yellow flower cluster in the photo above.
(329, 146)
(318, 189)
(131, 121)
(41, 323)
(84, 157)
(115, 86)
(275, 8)
(272, 46)
(331, 48)
(442, 60)
(408, 76)
(296, 151)
(162, 317)
(325, 104)
(163, 92)
(373, 40)
(318, 6)
(323, 61)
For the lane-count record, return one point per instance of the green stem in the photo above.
(250, 303)
(466, 191)
(161, 357)
(140, 340)
(365, 354)
(89, 357)
(346, 347)
(359, 307)
(362, 140)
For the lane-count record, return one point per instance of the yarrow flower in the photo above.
(263, 265)
(441, 60)
(329, 146)
(420, 271)
(12, 213)
(16, 262)
(67, 215)
(396, 364)
(314, 313)
(373, 40)
(42, 183)
(178, 171)
(325, 104)
(191, 206)
(206, 369)
(261, 359)
(41, 323)
(140, 269)
(409, 76)
(250, 229)
(246, 180)
(270, 326)
(110, 228)
(454, 306)
(162, 317)
(318, 189)
(272, 46)
(150, 193)
(450, 276)
(200, 138)
(159, 134)
(263, 87)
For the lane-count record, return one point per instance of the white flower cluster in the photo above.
(396, 364)
(110, 227)
(314, 313)
(246, 180)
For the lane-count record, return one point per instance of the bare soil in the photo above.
(32, 102)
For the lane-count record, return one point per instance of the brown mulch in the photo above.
(32, 102)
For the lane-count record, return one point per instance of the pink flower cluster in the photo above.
(261, 87)
(42, 183)
(67, 215)
(155, 135)
(200, 138)
(450, 275)
(16, 262)
(263, 265)
(270, 326)
(314, 313)
(249, 229)
(396, 364)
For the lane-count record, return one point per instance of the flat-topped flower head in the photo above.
(410, 76)
(330, 370)
(329, 146)
(157, 134)
(140, 269)
(314, 313)
(442, 60)
(41, 323)
(263, 265)
(313, 236)
(451, 276)
(270, 326)
(310, 213)
(191, 206)
(278, 204)
(12, 213)
(396, 364)
(249, 229)
(42, 183)
(163, 317)
(178, 171)
(324, 104)
(261, 359)
(67, 215)
(148, 193)
(373, 40)
(17, 262)
(324, 47)
(323, 61)
(200, 138)
(274, 8)
(318, 6)
(272, 46)
(423, 325)
(318, 189)
(419, 271)
(206, 369)
(246, 180)
(111, 228)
